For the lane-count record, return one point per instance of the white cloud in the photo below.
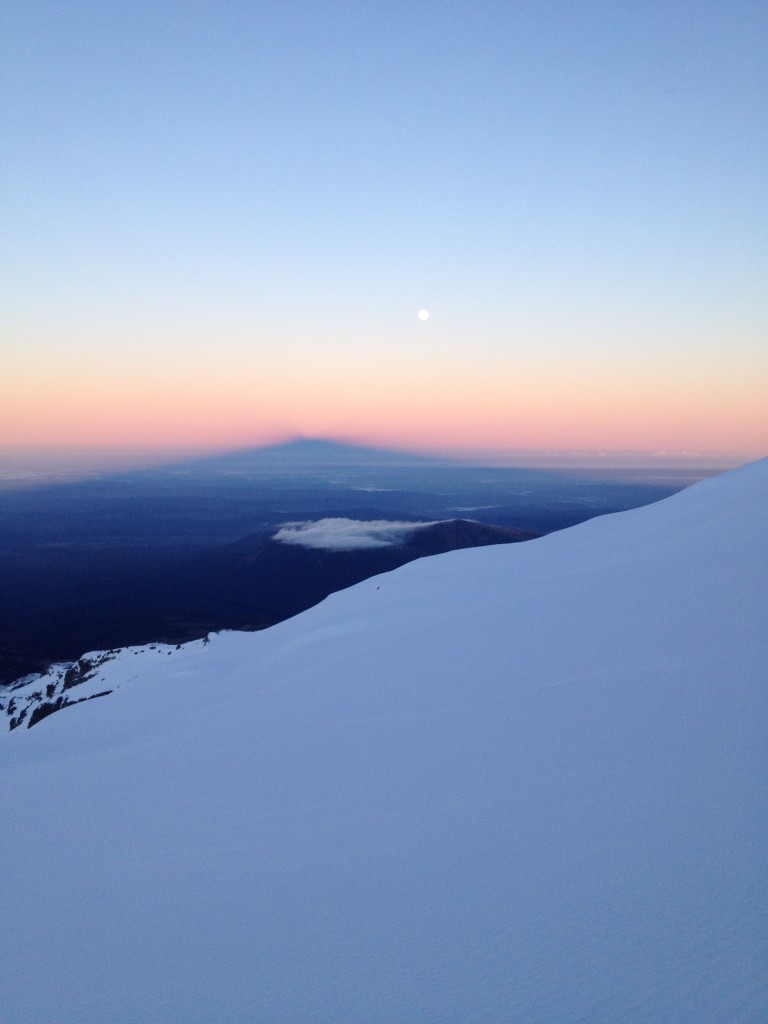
(346, 534)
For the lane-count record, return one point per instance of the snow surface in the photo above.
(522, 784)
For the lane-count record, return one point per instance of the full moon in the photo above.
(423, 314)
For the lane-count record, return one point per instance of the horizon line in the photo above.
(37, 462)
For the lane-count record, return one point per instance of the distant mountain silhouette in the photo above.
(309, 453)
(317, 449)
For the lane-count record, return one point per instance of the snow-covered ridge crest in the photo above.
(516, 783)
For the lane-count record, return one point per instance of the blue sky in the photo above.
(268, 192)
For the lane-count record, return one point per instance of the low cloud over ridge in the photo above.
(346, 534)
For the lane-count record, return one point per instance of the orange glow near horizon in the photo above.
(459, 408)
(229, 276)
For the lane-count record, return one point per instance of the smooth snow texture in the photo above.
(521, 784)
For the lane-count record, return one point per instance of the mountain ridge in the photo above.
(251, 584)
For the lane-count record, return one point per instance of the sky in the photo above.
(221, 221)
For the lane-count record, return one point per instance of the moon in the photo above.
(423, 314)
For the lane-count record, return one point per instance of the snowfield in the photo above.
(522, 784)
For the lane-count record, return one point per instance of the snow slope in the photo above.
(511, 784)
